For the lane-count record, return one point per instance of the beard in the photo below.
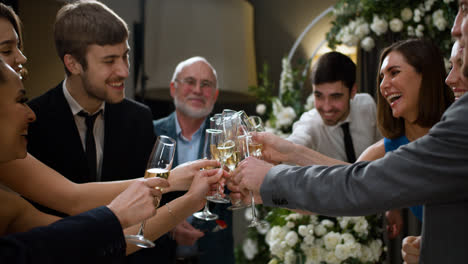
(191, 112)
(100, 94)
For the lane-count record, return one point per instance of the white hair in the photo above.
(191, 61)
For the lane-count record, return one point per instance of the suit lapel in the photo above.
(62, 115)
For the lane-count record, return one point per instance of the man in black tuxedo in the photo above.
(86, 130)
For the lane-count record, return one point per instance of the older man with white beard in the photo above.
(194, 87)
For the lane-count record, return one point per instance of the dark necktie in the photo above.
(90, 143)
(348, 142)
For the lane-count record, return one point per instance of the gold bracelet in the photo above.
(169, 209)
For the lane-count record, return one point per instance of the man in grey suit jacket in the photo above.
(432, 170)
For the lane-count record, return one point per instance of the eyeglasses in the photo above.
(192, 82)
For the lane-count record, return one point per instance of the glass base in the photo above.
(207, 216)
(139, 241)
(218, 199)
(258, 223)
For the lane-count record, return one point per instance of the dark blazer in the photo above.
(54, 140)
(214, 247)
(92, 237)
(432, 170)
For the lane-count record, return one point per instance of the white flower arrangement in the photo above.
(400, 19)
(297, 239)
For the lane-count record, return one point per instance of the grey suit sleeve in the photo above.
(432, 169)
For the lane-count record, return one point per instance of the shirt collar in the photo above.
(74, 105)
(179, 130)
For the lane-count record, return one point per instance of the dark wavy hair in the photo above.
(434, 95)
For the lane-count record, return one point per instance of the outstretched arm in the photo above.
(33, 179)
(278, 150)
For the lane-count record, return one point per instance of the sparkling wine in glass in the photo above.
(209, 151)
(159, 165)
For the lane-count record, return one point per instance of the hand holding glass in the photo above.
(159, 165)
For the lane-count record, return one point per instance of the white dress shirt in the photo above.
(80, 124)
(311, 132)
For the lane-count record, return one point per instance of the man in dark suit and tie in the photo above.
(194, 87)
(86, 129)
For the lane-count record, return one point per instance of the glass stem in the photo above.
(142, 229)
(254, 213)
(206, 209)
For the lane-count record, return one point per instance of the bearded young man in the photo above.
(86, 129)
(194, 87)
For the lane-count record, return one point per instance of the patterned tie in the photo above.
(348, 141)
(90, 144)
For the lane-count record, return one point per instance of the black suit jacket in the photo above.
(54, 140)
(214, 247)
(91, 237)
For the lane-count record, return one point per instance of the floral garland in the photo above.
(294, 238)
(364, 22)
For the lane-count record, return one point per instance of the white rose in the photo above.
(331, 240)
(348, 238)
(361, 226)
(428, 4)
(411, 31)
(362, 30)
(275, 234)
(320, 230)
(355, 249)
(396, 25)
(350, 39)
(314, 254)
(417, 15)
(290, 224)
(406, 14)
(343, 221)
(263, 229)
(327, 223)
(277, 250)
(286, 117)
(441, 24)
(289, 257)
(310, 102)
(291, 238)
(342, 251)
(330, 258)
(302, 230)
(366, 254)
(376, 249)
(368, 44)
(250, 248)
(309, 240)
(419, 31)
(439, 21)
(379, 26)
(261, 109)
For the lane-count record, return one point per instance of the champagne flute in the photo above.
(159, 165)
(221, 150)
(250, 148)
(208, 154)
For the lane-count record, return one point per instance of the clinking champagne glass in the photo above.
(209, 140)
(159, 165)
(221, 150)
(253, 149)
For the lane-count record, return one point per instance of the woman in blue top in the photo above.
(411, 99)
